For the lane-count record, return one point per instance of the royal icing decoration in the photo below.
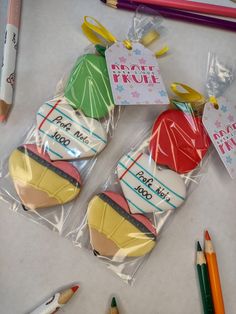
(179, 141)
(146, 188)
(39, 182)
(135, 76)
(221, 126)
(88, 88)
(114, 231)
(67, 135)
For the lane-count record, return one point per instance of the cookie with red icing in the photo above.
(179, 141)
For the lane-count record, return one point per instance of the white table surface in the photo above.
(35, 261)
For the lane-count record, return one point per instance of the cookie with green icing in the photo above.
(88, 88)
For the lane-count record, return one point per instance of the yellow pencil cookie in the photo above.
(114, 231)
(39, 182)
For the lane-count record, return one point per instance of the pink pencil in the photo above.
(9, 58)
(193, 6)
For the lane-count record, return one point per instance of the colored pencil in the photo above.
(176, 14)
(9, 58)
(214, 275)
(204, 282)
(194, 6)
(114, 308)
(57, 301)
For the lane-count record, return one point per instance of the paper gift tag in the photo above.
(135, 76)
(221, 126)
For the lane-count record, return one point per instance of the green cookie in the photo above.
(88, 88)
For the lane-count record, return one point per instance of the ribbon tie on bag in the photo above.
(189, 94)
(190, 100)
(99, 35)
(193, 99)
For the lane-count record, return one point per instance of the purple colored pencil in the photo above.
(176, 14)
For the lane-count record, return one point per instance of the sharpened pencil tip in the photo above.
(113, 302)
(75, 288)
(199, 248)
(207, 236)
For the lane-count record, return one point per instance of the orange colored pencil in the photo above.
(214, 276)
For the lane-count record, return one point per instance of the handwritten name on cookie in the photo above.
(149, 183)
(67, 127)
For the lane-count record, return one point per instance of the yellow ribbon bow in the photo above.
(95, 32)
(188, 95)
(192, 100)
(98, 34)
(191, 96)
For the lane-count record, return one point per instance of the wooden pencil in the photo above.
(204, 282)
(214, 275)
(194, 6)
(114, 308)
(57, 301)
(175, 14)
(7, 81)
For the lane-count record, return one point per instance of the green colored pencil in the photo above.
(114, 308)
(204, 281)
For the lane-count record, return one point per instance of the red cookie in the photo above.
(178, 141)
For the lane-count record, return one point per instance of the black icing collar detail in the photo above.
(49, 165)
(127, 216)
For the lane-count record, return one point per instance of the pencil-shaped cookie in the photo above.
(114, 231)
(57, 301)
(38, 181)
(204, 281)
(214, 275)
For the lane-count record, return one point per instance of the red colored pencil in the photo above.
(56, 301)
(194, 6)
